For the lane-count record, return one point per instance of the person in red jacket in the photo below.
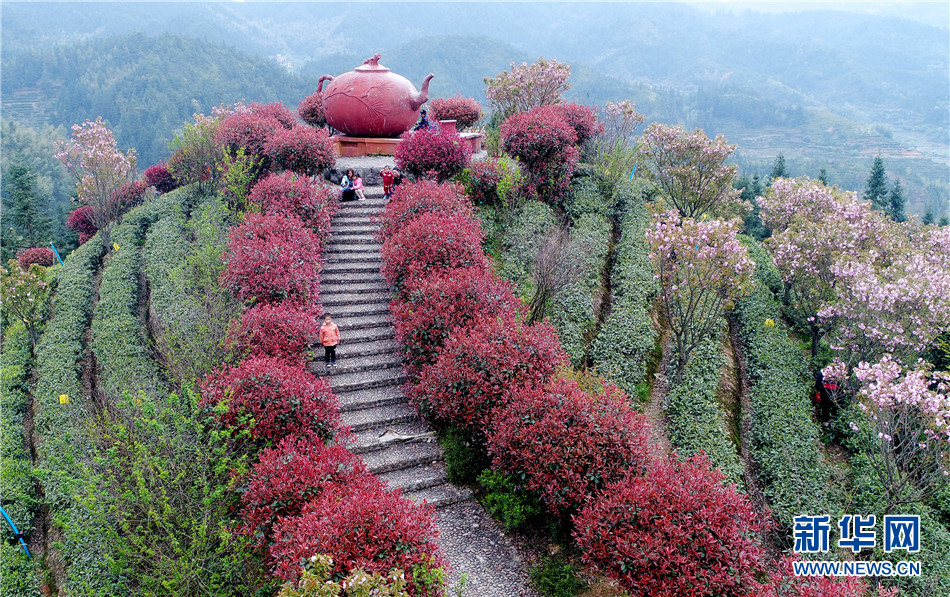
(388, 177)
(329, 338)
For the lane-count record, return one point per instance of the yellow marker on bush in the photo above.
(63, 399)
(115, 246)
(770, 323)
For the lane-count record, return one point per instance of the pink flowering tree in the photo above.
(100, 169)
(702, 268)
(690, 169)
(816, 230)
(528, 86)
(197, 157)
(611, 150)
(24, 293)
(908, 421)
(899, 305)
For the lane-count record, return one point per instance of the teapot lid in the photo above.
(372, 65)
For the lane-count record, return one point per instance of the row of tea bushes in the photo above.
(18, 574)
(785, 439)
(627, 339)
(695, 418)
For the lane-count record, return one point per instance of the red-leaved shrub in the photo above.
(311, 110)
(81, 222)
(286, 477)
(466, 112)
(302, 149)
(566, 444)
(159, 177)
(431, 153)
(483, 367)
(281, 330)
(271, 398)
(277, 111)
(482, 183)
(252, 129)
(546, 144)
(675, 532)
(272, 258)
(785, 583)
(437, 306)
(410, 199)
(360, 525)
(130, 195)
(39, 255)
(582, 119)
(429, 242)
(309, 199)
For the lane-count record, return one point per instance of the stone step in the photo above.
(360, 226)
(354, 257)
(336, 268)
(349, 218)
(349, 323)
(347, 363)
(370, 398)
(359, 309)
(364, 380)
(416, 478)
(329, 287)
(354, 238)
(382, 438)
(369, 334)
(342, 299)
(340, 281)
(440, 496)
(379, 416)
(403, 456)
(356, 350)
(337, 247)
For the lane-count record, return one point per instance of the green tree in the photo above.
(897, 203)
(928, 216)
(24, 206)
(778, 168)
(875, 192)
(944, 221)
(823, 176)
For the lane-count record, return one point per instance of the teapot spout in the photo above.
(320, 83)
(423, 96)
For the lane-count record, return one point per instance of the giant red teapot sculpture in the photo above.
(371, 101)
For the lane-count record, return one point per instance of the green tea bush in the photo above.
(507, 501)
(556, 577)
(521, 241)
(19, 497)
(572, 311)
(627, 339)
(695, 421)
(191, 311)
(785, 439)
(159, 490)
(119, 340)
(464, 458)
(587, 197)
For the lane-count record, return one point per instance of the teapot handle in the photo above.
(320, 82)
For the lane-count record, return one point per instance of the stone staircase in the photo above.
(392, 440)
(368, 378)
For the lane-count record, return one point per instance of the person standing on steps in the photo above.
(329, 338)
(387, 174)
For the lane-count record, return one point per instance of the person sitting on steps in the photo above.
(358, 187)
(346, 186)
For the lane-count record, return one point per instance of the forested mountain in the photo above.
(828, 89)
(144, 86)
